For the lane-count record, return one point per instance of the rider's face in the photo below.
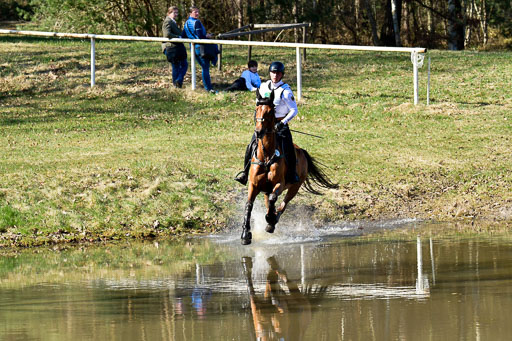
(275, 76)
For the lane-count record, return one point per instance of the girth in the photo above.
(273, 159)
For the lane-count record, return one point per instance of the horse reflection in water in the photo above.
(278, 315)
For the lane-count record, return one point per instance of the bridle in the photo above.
(259, 136)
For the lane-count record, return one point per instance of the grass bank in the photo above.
(135, 158)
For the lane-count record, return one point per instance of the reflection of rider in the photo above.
(278, 315)
(285, 110)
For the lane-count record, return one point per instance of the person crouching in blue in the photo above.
(194, 29)
(285, 109)
(249, 80)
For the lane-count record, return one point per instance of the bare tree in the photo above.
(373, 23)
(455, 25)
(396, 12)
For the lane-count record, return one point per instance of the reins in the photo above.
(275, 157)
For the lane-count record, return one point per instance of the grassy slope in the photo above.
(133, 157)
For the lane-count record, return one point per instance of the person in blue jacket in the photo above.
(194, 29)
(249, 80)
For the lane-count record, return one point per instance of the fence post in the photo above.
(299, 74)
(192, 66)
(428, 82)
(414, 57)
(219, 62)
(304, 41)
(249, 53)
(93, 62)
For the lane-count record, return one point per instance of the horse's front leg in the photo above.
(246, 228)
(271, 216)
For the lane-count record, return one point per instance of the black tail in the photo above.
(316, 176)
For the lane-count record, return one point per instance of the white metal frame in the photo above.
(414, 51)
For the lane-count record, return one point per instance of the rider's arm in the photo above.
(291, 104)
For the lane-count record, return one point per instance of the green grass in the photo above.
(134, 158)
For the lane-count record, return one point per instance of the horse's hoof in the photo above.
(270, 228)
(246, 238)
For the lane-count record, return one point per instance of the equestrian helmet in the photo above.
(276, 67)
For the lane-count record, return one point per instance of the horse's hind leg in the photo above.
(290, 194)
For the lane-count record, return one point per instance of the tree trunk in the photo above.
(455, 26)
(406, 28)
(295, 12)
(387, 36)
(467, 35)
(431, 23)
(249, 12)
(396, 12)
(373, 23)
(484, 22)
(240, 14)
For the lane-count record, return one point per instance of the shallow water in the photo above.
(302, 283)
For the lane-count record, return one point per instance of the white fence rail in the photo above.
(413, 51)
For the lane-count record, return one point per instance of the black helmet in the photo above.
(276, 67)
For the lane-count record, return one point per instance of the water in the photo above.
(318, 284)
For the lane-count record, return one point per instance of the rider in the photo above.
(285, 111)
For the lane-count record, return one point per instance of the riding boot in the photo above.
(243, 175)
(291, 159)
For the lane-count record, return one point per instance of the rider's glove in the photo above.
(279, 125)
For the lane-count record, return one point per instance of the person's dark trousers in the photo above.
(179, 70)
(205, 66)
(238, 85)
(284, 137)
(179, 67)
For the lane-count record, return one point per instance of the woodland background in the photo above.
(442, 24)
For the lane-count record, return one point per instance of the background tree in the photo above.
(453, 24)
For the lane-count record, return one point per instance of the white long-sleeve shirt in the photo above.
(284, 102)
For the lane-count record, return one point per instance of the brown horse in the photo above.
(268, 169)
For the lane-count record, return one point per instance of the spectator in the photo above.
(250, 80)
(175, 52)
(206, 53)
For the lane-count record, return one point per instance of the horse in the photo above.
(268, 169)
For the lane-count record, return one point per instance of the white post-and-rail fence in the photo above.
(416, 52)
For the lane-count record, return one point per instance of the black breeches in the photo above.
(284, 138)
(251, 147)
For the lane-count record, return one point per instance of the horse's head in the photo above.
(265, 115)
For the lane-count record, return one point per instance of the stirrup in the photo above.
(241, 177)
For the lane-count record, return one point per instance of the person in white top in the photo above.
(285, 110)
(250, 80)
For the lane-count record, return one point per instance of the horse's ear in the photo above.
(272, 97)
(258, 95)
